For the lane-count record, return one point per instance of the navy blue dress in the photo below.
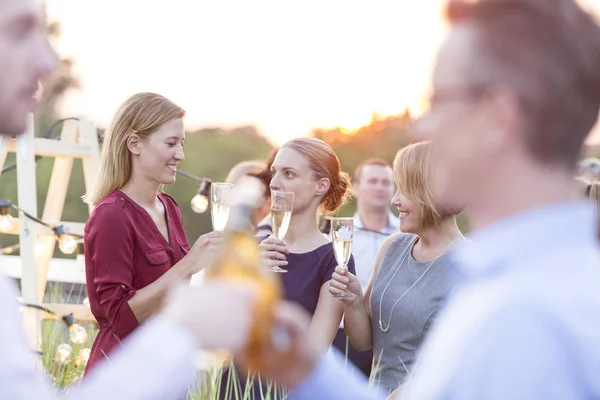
(307, 272)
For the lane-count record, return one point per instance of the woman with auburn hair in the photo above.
(310, 169)
(410, 278)
(135, 244)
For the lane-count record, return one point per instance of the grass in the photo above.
(66, 371)
(65, 361)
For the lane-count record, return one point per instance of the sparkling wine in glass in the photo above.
(282, 204)
(342, 232)
(220, 204)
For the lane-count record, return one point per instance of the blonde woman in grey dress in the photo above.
(411, 278)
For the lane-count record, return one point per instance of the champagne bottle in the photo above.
(240, 262)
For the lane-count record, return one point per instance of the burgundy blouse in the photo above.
(124, 252)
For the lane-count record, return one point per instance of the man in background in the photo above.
(373, 185)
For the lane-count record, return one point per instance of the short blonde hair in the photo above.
(244, 168)
(414, 175)
(140, 114)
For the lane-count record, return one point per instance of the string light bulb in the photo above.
(6, 220)
(66, 243)
(77, 333)
(199, 203)
(63, 353)
(83, 357)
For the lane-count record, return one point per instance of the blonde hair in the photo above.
(414, 175)
(140, 114)
(244, 168)
(324, 163)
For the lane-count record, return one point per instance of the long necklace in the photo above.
(408, 251)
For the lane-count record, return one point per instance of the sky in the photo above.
(285, 67)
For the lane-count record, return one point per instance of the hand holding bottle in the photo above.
(289, 355)
(219, 314)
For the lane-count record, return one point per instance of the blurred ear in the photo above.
(355, 189)
(323, 186)
(133, 144)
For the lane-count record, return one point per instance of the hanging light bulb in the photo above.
(82, 357)
(63, 353)
(6, 223)
(66, 243)
(78, 333)
(199, 203)
(6, 220)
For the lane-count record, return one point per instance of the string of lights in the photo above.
(68, 243)
(199, 203)
(77, 334)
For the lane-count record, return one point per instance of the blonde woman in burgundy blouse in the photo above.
(135, 244)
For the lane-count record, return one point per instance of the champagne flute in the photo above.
(342, 232)
(282, 204)
(220, 204)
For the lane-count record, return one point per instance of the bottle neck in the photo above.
(240, 218)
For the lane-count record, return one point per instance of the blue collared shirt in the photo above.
(524, 322)
(331, 380)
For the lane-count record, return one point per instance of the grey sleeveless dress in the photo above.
(395, 351)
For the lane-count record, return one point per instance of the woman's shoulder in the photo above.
(395, 246)
(113, 209)
(114, 203)
(112, 198)
(399, 240)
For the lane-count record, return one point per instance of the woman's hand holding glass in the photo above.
(205, 250)
(345, 286)
(272, 252)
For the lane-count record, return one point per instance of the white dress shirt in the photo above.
(157, 362)
(366, 244)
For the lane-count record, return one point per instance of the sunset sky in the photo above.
(284, 67)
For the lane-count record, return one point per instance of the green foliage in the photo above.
(212, 153)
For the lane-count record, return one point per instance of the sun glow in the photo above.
(284, 67)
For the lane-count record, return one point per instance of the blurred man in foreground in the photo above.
(516, 91)
(145, 368)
